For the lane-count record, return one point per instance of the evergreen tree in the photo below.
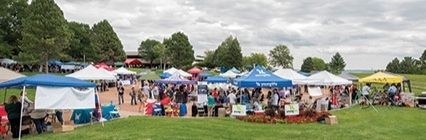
(312, 64)
(422, 60)
(409, 65)
(104, 38)
(308, 65)
(45, 33)
(280, 56)
(337, 64)
(393, 66)
(81, 47)
(228, 54)
(179, 50)
(12, 13)
(146, 50)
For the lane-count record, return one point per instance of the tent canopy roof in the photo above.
(326, 78)
(92, 73)
(217, 79)
(229, 74)
(171, 70)
(7, 61)
(382, 77)
(349, 76)
(133, 61)
(47, 80)
(194, 70)
(260, 77)
(123, 70)
(235, 70)
(176, 79)
(290, 74)
(6, 74)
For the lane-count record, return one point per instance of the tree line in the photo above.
(38, 32)
(312, 64)
(408, 65)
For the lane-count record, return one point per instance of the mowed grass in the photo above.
(418, 81)
(354, 123)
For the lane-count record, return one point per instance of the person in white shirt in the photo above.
(155, 92)
(275, 100)
(366, 90)
(146, 90)
(232, 98)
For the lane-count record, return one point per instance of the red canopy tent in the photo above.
(133, 61)
(194, 70)
(104, 66)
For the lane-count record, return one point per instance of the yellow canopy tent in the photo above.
(382, 78)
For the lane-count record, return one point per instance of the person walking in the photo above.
(120, 90)
(13, 109)
(133, 96)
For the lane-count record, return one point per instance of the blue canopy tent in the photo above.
(44, 80)
(165, 75)
(260, 77)
(217, 79)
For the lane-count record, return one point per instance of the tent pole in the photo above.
(100, 108)
(22, 110)
(5, 93)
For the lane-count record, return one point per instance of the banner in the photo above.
(64, 98)
(202, 89)
(291, 109)
(238, 110)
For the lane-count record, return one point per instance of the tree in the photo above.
(45, 33)
(280, 56)
(311, 64)
(228, 54)
(337, 64)
(12, 13)
(256, 58)
(409, 65)
(81, 47)
(179, 50)
(422, 60)
(393, 66)
(308, 65)
(146, 50)
(208, 60)
(107, 41)
(160, 51)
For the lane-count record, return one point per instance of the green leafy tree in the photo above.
(160, 50)
(409, 65)
(179, 50)
(280, 56)
(107, 41)
(393, 66)
(423, 62)
(81, 47)
(45, 33)
(255, 58)
(337, 64)
(208, 60)
(146, 50)
(12, 13)
(312, 64)
(228, 54)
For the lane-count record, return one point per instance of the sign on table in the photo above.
(291, 109)
(238, 110)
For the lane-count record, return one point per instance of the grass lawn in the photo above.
(418, 81)
(354, 123)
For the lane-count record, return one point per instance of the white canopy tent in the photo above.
(124, 71)
(292, 75)
(7, 61)
(182, 73)
(6, 74)
(92, 73)
(325, 78)
(229, 74)
(171, 70)
(110, 72)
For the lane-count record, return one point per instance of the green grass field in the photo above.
(418, 82)
(355, 123)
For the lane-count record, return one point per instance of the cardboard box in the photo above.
(331, 120)
(58, 128)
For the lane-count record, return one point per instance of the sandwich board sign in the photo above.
(238, 110)
(291, 109)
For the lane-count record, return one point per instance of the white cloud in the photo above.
(372, 30)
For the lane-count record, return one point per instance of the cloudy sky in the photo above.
(368, 33)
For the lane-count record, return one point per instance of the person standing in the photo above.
(133, 96)
(366, 90)
(38, 116)
(13, 109)
(146, 91)
(155, 91)
(275, 100)
(120, 89)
